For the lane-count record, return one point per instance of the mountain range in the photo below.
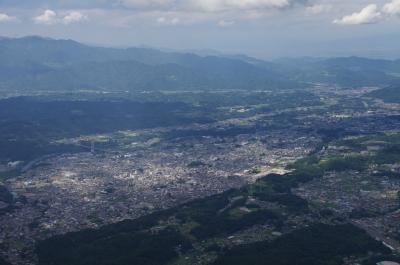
(36, 63)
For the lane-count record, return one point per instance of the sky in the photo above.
(267, 29)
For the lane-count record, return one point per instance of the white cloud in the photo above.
(237, 5)
(225, 23)
(146, 3)
(6, 18)
(318, 9)
(168, 21)
(392, 8)
(189, 12)
(368, 15)
(49, 17)
(74, 17)
(208, 5)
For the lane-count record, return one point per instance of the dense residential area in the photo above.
(320, 163)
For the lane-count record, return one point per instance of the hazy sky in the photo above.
(262, 28)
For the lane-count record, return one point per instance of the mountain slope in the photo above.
(38, 63)
(389, 94)
(345, 71)
(35, 63)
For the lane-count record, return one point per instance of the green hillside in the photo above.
(388, 94)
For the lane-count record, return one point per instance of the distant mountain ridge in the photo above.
(36, 63)
(344, 71)
(389, 94)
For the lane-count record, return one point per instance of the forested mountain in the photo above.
(345, 71)
(388, 94)
(38, 63)
(35, 63)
